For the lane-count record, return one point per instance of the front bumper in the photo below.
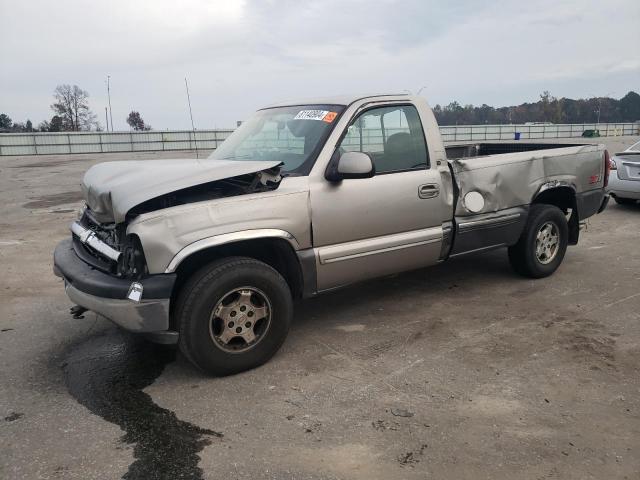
(107, 295)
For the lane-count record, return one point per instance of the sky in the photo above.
(240, 55)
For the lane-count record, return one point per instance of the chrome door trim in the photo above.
(377, 245)
(229, 238)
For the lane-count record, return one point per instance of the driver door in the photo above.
(369, 227)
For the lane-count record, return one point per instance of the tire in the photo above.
(524, 256)
(624, 201)
(227, 286)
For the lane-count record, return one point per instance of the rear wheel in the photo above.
(624, 201)
(233, 315)
(543, 243)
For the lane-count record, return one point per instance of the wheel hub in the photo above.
(547, 242)
(240, 319)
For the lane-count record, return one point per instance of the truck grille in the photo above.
(108, 234)
(108, 248)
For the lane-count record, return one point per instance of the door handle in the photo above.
(429, 190)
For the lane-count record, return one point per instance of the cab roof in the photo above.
(337, 100)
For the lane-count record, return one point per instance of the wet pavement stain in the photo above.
(46, 201)
(13, 416)
(107, 374)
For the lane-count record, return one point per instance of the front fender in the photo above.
(226, 238)
(283, 213)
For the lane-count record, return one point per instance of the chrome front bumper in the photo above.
(143, 316)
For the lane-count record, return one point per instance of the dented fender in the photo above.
(165, 233)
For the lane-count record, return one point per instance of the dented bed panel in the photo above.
(506, 181)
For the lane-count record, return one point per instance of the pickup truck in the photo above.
(303, 198)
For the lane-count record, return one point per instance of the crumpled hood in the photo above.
(111, 189)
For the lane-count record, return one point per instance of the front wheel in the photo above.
(233, 315)
(543, 243)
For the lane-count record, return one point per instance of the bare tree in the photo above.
(72, 106)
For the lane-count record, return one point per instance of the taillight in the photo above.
(607, 167)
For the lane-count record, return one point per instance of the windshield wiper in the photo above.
(235, 157)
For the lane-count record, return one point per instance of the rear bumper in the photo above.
(623, 188)
(591, 202)
(107, 295)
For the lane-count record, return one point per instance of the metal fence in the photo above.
(103, 142)
(463, 133)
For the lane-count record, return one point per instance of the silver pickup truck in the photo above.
(303, 198)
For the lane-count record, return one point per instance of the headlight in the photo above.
(132, 263)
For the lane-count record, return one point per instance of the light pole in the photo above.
(109, 96)
(195, 141)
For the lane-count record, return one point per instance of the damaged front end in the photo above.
(107, 247)
(262, 181)
(115, 190)
(104, 265)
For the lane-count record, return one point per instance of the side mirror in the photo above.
(350, 165)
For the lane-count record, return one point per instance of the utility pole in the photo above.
(106, 118)
(195, 142)
(109, 96)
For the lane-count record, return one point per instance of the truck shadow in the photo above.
(464, 273)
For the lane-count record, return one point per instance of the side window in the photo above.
(392, 136)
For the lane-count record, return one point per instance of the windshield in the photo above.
(292, 135)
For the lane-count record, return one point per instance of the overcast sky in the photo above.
(241, 55)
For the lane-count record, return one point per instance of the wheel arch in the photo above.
(277, 251)
(562, 195)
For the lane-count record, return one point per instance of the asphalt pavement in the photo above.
(461, 371)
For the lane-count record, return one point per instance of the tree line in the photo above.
(71, 113)
(547, 109)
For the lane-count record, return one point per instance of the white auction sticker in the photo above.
(311, 115)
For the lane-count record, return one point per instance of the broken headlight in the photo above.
(132, 263)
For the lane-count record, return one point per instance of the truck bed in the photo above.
(505, 178)
(483, 149)
(511, 174)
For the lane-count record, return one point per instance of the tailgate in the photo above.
(628, 164)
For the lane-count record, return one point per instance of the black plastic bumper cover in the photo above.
(589, 203)
(87, 279)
